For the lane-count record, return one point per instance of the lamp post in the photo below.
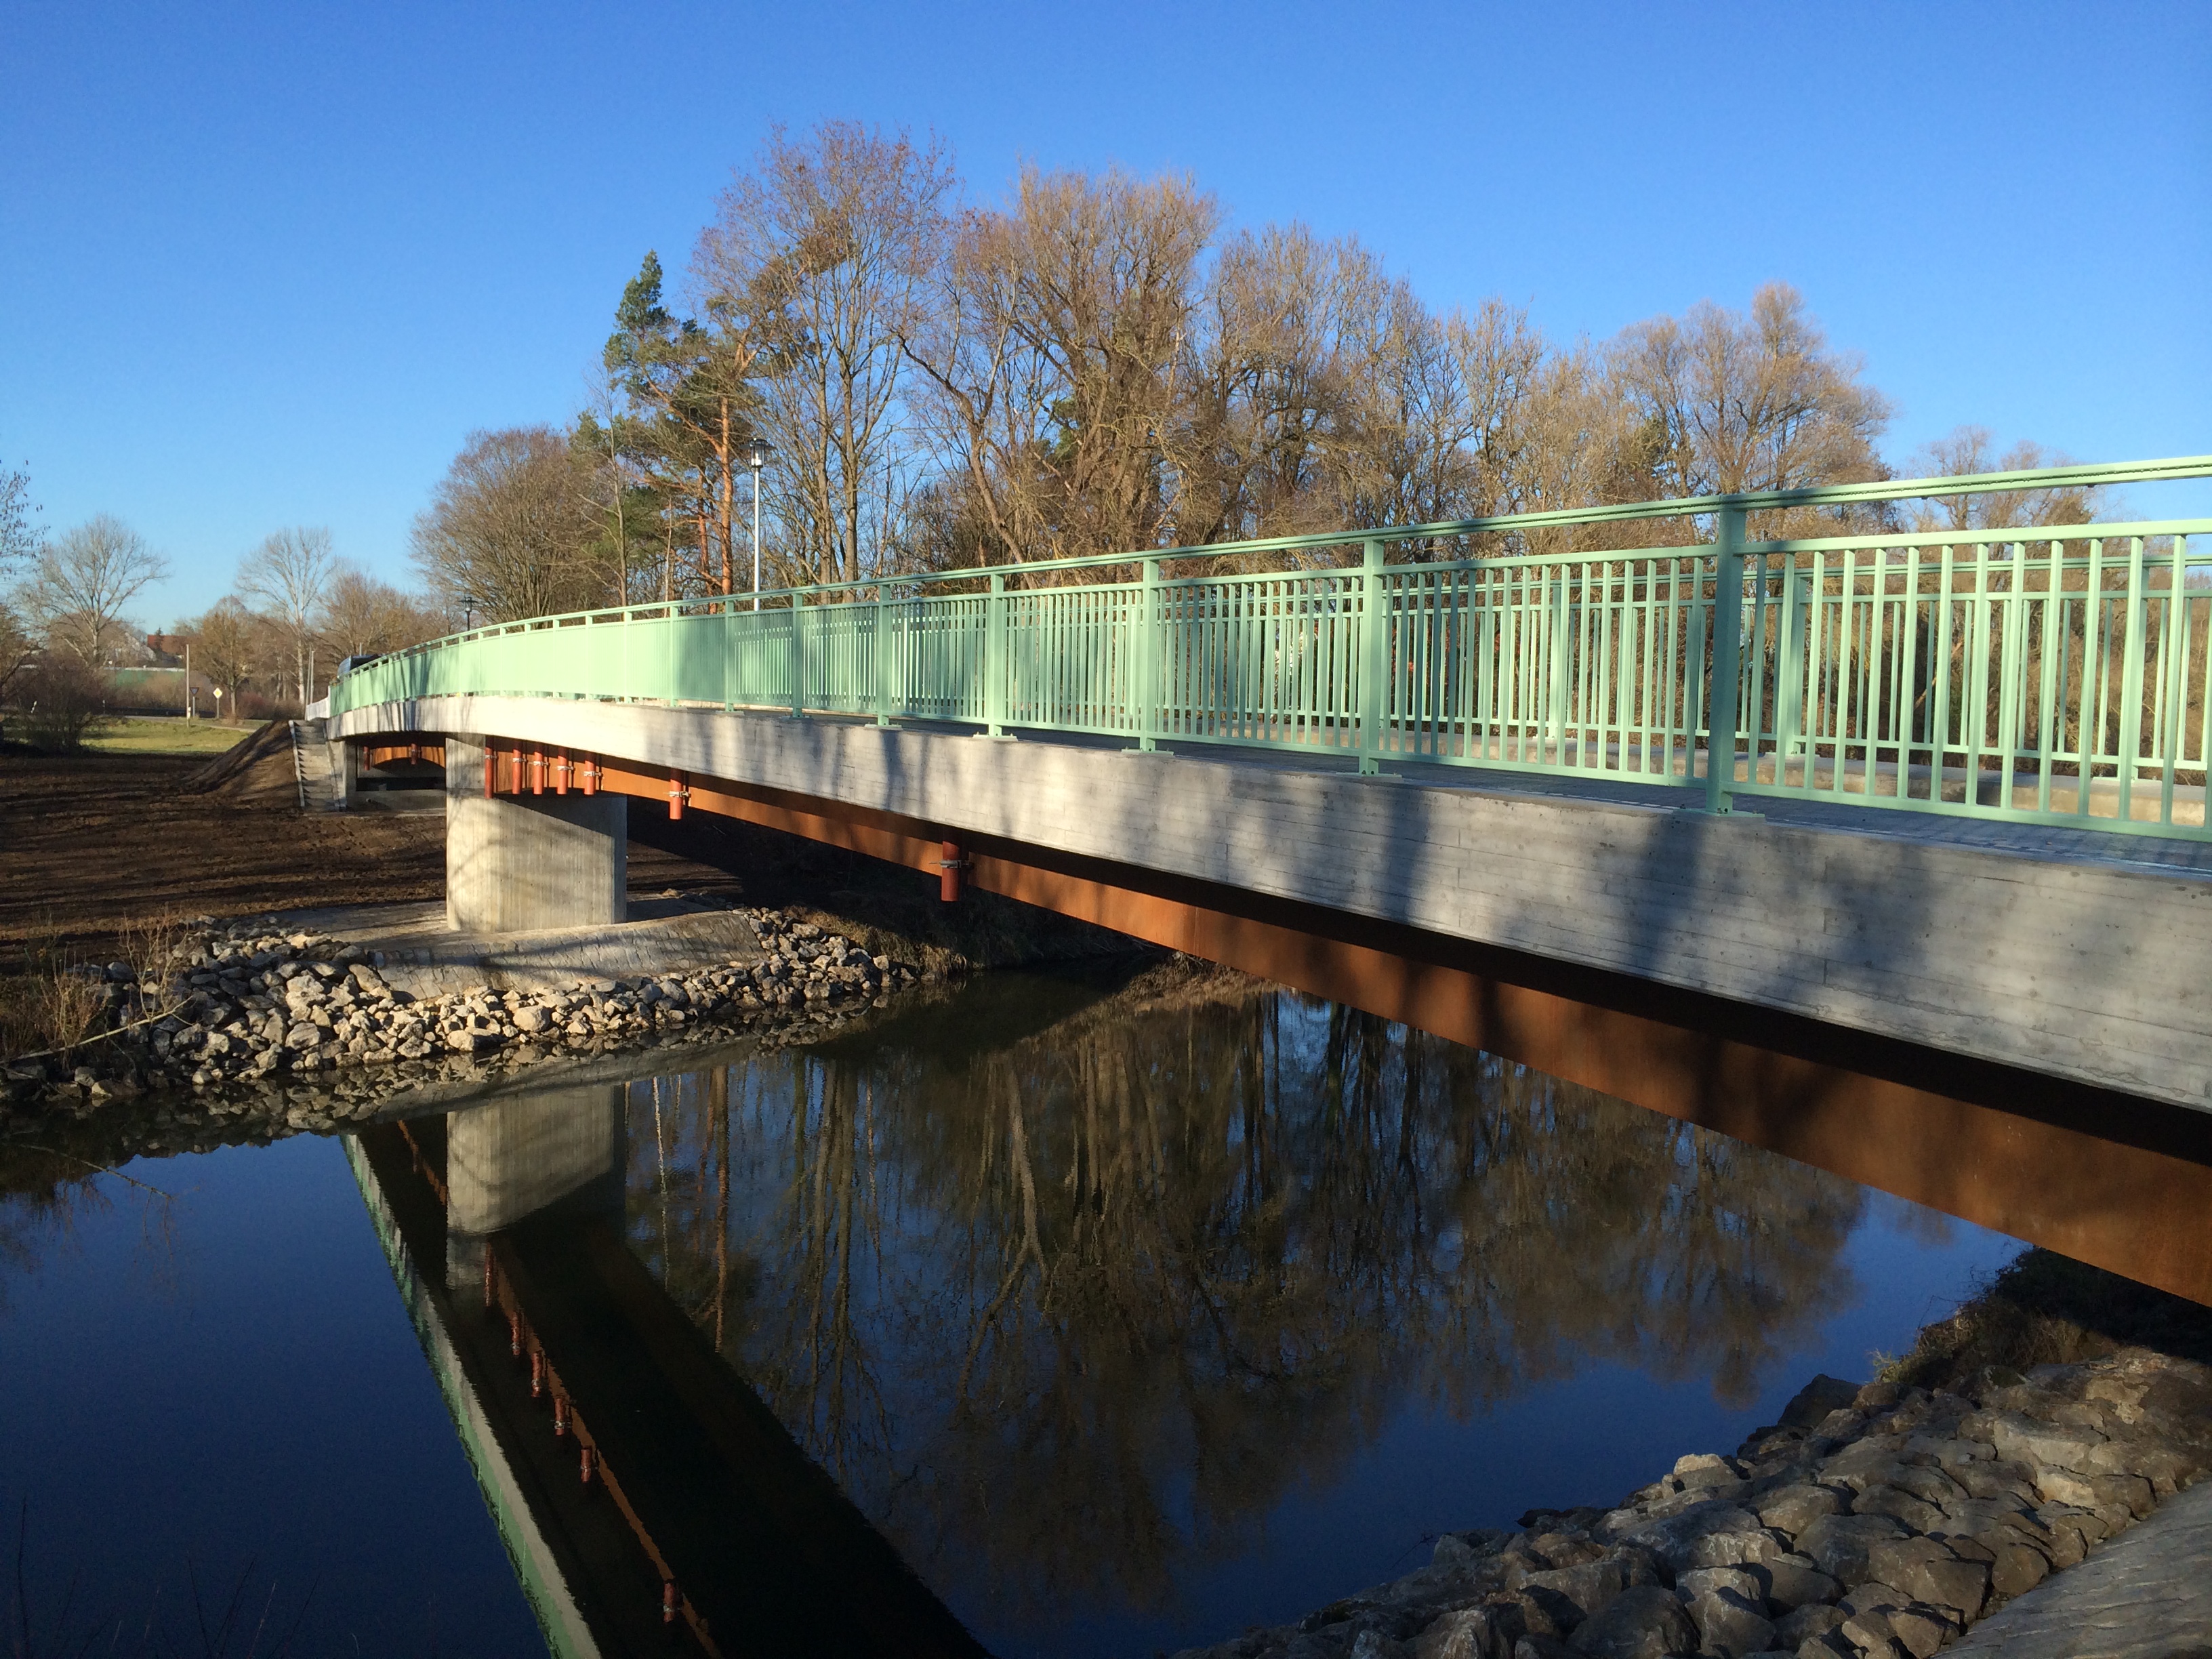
(757, 458)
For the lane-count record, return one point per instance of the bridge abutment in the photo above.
(518, 863)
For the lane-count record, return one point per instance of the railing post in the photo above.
(1374, 658)
(1145, 663)
(1726, 656)
(798, 656)
(885, 656)
(994, 657)
(729, 653)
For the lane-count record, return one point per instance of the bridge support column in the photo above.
(519, 862)
(345, 768)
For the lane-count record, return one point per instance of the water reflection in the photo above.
(1069, 1293)
(1092, 1316)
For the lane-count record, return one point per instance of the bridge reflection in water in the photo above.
(1065, 1293)
(640, 1487)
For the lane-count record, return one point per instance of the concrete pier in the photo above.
(514, 864)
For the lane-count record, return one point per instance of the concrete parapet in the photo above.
(519, 864)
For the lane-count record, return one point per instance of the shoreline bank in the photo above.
(243, 1009)
(1884, 1520)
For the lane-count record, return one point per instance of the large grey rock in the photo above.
(1922, 1630)
(1732, 1549)
(1465, 1633)
(1930, 1486)
(2015, 1568)
(1644, 1623)
(1792, 1509)
(1704, 1581)
(1590, 1586)
(1728, 1625)
(1793, 1582)
(1793, 1630)
(1917, 1513)
(1926, 1571)
(2000, 1479)
(2042, 1445)
(1673, 1538)
(1949, 1451)
(2168, 1468)
(1839, 1544)
(2102, 1493)
(1823, 1395)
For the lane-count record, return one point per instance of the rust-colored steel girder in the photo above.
(2105, 1178)
(394, 754)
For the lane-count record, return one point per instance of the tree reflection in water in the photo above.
(1070, 1300)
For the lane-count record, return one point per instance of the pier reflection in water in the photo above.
(1119, 1316)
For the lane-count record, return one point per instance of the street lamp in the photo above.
(757, 458)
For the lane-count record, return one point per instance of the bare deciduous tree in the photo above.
(224, 647)
(831, 241)
(82, 581)
(1731, 401)
(19, 649)
(1970, 449)
(1052, 352)
(288, 574)
(362, 616)
(20, 538)
(506, 532)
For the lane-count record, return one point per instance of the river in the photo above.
(1091, 1313)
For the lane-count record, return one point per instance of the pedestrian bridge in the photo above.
(1934, 909)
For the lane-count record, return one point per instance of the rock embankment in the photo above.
(242, 1005)
(1882, 1521)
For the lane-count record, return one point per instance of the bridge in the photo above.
(1933, 910)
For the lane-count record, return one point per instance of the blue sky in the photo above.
(262, 265)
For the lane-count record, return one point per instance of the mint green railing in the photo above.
(2060, 675)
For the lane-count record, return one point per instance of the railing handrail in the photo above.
(2072, 477)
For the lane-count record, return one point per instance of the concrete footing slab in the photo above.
(425, 958)
(2148, 1595)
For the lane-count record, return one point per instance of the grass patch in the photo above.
(2044, 1309)
(132, 735)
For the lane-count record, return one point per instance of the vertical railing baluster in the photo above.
(994, 657)
(1725, 631)
(795, 654)
(1373, 664)
(2132, 723)
(1144, 661)
(886, 656)
(2173, 638)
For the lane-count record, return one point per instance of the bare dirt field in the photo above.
(92, 843)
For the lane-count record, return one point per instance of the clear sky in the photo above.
(268, 264)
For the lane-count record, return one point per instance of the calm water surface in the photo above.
(1096, 1317)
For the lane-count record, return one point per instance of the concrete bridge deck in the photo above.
(2073, 953)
